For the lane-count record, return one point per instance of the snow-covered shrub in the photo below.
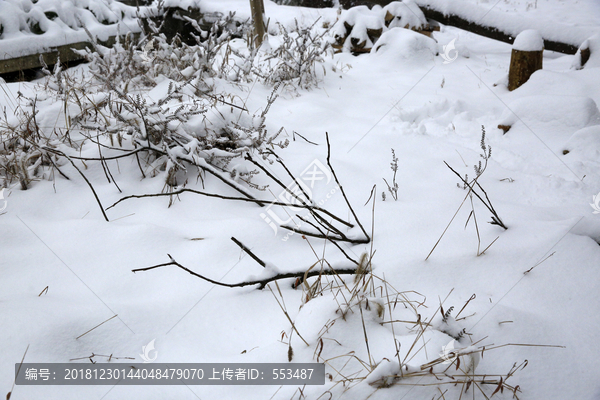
(295, 59)
(185, 122)
(21, 158)
(404, 45)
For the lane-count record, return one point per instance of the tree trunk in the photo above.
(257, 8)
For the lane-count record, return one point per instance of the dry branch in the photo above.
(342, 189)
(495, 218)
(60, 153)
(249, 252)
(261, 282)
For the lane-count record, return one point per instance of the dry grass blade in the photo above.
(9, 394)
(285, 312)
(85, 333)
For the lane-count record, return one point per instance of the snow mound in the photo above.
(385, 374)
(372, 19)
(405, 14)
(529, 40)
(405, 44)
(576, 112)
(584, 144)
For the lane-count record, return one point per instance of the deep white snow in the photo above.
(543, 178)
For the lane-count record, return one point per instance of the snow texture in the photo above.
(537, 284)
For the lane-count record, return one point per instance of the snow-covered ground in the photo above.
(541, 178)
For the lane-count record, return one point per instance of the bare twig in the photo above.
(495, 218)
(82, 175)
(250, 253)
(294, 133)
(324, 236)
(302, 203)
(342, 189)
(261, 282)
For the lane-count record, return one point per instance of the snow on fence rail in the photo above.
(54, 27)
(485, 21)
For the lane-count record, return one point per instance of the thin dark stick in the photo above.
(261, 282)
(102, 162)
(250, 253)
(323, 236)
(316, 216)
(249, 158)
(296, 133)
(139, 196)
(326, 227)
(293, 179)
(140, 165)
(342, 189)
(82, 175)
(18, 370)
(218, 99)
(473, 296)
(274, 178)
(260, 202)
(225, 181)
(495, 217)
(58, 169)
(117, 157)
(106, 169)
(448, 226)
(331, 240)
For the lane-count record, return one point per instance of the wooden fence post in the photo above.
(257, 8)
(526, 57)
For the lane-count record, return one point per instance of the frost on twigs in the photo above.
(297, 59)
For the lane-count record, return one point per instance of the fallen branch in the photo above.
(250, 253)
(261, 282)
(259, 202)
(325, 236)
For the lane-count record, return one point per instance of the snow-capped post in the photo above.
(526, 57)
(257, 8)
(590, 48)
(585, 53)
